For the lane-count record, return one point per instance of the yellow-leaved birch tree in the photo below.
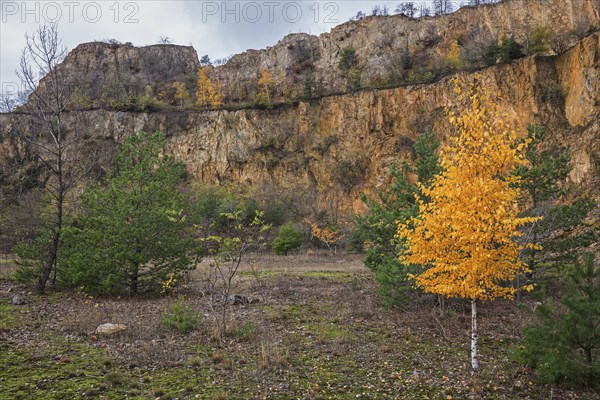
(265, 88)
(209, 93)
(465, 232)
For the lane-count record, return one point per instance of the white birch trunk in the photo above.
(474, 362)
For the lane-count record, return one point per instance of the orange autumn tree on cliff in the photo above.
(465, 233)
(209, 93)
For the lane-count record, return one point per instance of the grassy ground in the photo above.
(317, 333)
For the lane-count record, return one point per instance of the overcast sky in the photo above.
(216, 28)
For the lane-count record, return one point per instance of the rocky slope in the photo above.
(111, 73)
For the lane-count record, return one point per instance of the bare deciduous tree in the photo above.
(424, 10)
(8, 102)
(55, 146)
(408, 8)
(441, 7)
(219, 278)
(481, 2)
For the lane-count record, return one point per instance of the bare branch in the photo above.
(52, 91)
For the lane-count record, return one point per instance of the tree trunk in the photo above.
(54, 273)
(47, 268)
(133, 286)
(134, 281)
(474, 362)
(588, 356)
(53, 250)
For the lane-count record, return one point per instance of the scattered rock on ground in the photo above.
(237, 299)
(110, 329)
(17, 300)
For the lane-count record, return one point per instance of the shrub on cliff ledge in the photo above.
(507, 50)
(350, 69)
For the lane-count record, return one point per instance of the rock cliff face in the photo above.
(110, 73)
(327, 151)
(387, 45)
(389, 49)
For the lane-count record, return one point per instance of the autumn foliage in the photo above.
(265, 88)
(453, 56)
(326, 235)
(465, 234)
(209, 93)
(176, 94)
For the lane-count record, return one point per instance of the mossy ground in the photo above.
(317, 334)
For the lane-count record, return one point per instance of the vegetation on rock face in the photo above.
(350, 173)
(465, 233)
(350, 69)
(540, 40)
(504, 52)
(266, 82)
(209, 93)
(131, 235)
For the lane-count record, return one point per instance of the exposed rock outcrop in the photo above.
(329, 150)
(389, 49)
(110, 73)
(384, 44)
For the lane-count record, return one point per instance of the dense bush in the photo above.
(288, 239)
(209, 205)
(131, 236)
(508, 49)
(180, 317)
(564, 342)
(377, 229)
(30, 225)
(31, 257)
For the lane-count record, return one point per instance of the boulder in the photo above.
(110, 329)
(17, 300)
